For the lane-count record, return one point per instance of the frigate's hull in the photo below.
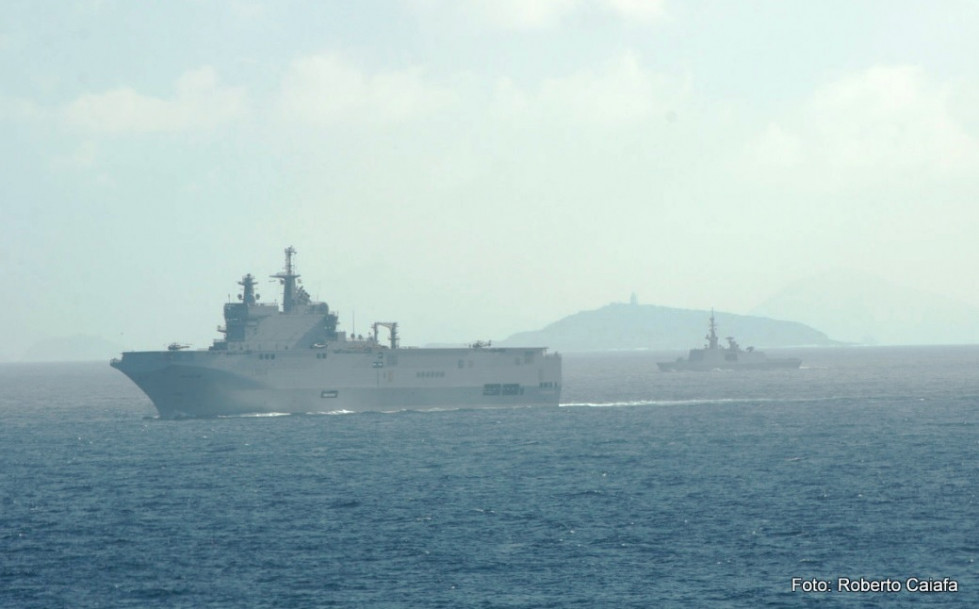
(732, 357)
(221, 383)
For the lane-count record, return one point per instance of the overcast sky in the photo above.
(474, 169)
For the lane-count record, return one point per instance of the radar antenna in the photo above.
(248, 295)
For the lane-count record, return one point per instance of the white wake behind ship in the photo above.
(294, 360)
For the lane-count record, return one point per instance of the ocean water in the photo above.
(643, 489)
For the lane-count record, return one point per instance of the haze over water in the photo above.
(473, 169)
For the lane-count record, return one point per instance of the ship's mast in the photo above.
(712, 334)
(248, 283)
(288, 279)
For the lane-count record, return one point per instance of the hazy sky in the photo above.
(474, 169)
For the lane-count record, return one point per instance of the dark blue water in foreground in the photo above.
(644, 489)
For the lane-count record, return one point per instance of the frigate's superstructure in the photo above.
(716, 357)
(295, 360)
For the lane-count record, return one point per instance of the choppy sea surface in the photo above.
(643, 489)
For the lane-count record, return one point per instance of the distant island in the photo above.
(621, 326)
(858, 307)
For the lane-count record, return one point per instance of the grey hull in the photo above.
(201, 384)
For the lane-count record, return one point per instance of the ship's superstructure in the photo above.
(714, 356)
(294, 359)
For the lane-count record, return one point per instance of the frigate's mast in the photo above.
(712, 334)
(288, 279)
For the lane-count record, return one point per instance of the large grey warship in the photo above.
(732, 357)
(294, 360)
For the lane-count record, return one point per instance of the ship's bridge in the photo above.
(263, 327)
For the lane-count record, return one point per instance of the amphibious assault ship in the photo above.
(294, 359)
(716, 357)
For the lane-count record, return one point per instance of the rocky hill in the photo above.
(634, 326)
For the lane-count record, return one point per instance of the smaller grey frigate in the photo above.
(714, 356)
(294, 359)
